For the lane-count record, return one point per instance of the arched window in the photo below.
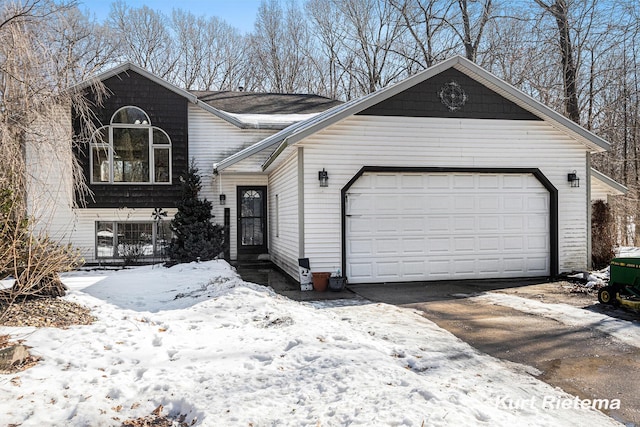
(130, 150)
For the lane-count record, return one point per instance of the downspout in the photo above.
(301, 203)
(589, 212)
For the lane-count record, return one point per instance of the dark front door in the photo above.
(252, 220)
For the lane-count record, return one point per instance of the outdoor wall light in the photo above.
(323, 177)
(573, 179)
(223, 199)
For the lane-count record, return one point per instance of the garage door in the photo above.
(444, 226)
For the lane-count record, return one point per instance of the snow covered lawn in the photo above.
(204, 344)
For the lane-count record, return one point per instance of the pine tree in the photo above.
(195, 236)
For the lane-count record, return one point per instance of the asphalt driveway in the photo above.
(582, 361)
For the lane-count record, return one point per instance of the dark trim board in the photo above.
(537, 173)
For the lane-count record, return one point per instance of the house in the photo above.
(449, 174)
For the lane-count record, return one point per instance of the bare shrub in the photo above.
(602, 234)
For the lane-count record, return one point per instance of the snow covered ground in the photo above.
(201, 342)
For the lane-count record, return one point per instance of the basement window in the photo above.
(132, 240)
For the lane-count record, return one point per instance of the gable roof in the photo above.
(231, 106)
(301, 130)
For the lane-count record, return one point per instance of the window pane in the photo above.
(131, 115)
(104, 239)
(161, 164)
(135, 239)
(100, 164)
(131, 155)
(251, 232)
(159, 137)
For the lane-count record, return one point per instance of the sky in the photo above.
(196, 342)
(238, 13)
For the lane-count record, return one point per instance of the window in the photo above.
(130, 150)
(132, 239)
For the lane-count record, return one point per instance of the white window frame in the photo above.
(152, 147)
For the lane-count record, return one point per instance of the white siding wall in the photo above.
(212, 139)
(49, 181)
(283, 246)
(436, 142)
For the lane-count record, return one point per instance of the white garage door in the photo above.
(444, 226)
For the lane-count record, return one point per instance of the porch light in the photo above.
(323, 177)
(223, 199)
(573, 179)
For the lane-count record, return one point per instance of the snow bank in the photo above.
(201, 342)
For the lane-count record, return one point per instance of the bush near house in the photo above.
(602, 234)
(196, 238)
(34, 261)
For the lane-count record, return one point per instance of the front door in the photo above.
(252, 220)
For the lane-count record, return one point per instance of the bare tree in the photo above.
(144, 38)
(425, 21)
(471, 32)
(280, 48)
(40, 44)
(559, 10)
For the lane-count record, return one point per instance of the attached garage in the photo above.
(444, 225)
(451, 174)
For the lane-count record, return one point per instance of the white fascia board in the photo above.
(617, 189)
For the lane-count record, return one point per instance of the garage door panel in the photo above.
(466, 244)
(513, 203)
(489, 223)
(438, 226)
(414, 246)
(538, 243)
(489, 244)
(360, 271)
(539, 264)
(464, 224)
(462, 204)
(387, 225)
(513, 243)
(361, 247)
(437, 245)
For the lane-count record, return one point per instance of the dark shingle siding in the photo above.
(422, 100)
(166, 110)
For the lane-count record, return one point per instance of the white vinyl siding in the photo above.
(212, 139)
(49, 164)
(438, 142)
(283, 245)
